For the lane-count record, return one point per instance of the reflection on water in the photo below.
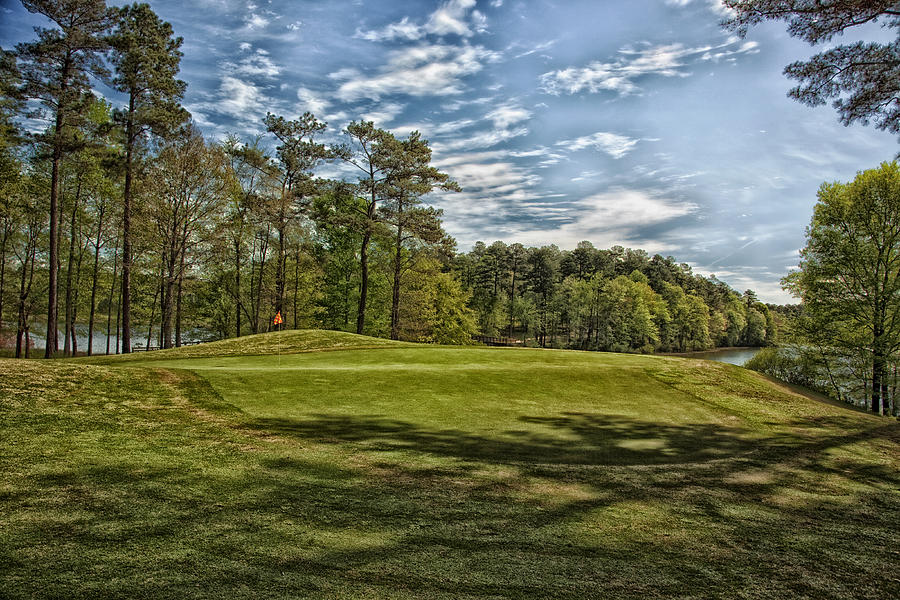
(734, 356)
(38, 337)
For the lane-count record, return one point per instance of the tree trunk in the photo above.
(237, 286)
(126, 230)
(879, 362)
(152, 316)
(23, 297)
(75, 295)
(6, 232)
(395, 292)
(279, 272)
(167, 291)
(67, 348)
(363, 283)
(178, 301)
(52, 343)
(512, 300)
(112, 289)
(90, 342)
(25, 292)
(296, 282)
(118, 314)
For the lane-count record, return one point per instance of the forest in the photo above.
(128, 230)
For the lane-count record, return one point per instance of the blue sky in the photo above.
(638, 123)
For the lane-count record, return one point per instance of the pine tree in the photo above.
(146, 59)
(55, 69)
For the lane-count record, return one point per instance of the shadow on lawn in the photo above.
(584, 505)
(741, 514)
(579, 439)
(569, 439)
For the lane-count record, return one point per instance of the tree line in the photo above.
(617, 299)
(124, 220)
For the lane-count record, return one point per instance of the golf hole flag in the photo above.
(277, 320)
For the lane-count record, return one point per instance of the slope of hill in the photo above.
(439, 472)
(276, 342)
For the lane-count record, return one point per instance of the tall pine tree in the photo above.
(55, 69)
(146, 58)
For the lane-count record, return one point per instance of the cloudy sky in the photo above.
(638, 123)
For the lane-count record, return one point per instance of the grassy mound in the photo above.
(275, 342)
(436, 472)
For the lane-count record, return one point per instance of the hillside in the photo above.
(263, 344)
(411, 471)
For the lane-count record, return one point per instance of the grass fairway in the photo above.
(268, 467)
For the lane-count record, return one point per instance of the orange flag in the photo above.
(277, 320)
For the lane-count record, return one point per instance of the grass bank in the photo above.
(418, 471)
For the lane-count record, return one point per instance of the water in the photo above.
(733, 356)
(138, 340)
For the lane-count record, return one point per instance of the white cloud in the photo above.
(430, 129)
(620, 75)
(310, 101)
(714, 5)
(239, 99)
(450, 18)
(506, 120)
(425, 70)
(404, 30)
(384, 113)
(508, 114)
(607, 218)
(257, 64)
(538, 48)
(484, 139)
(454, 17)
(255, 21)
(613, 144)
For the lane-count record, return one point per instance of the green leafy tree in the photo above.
(542, 280)
(849, 277)
(861, 78)
(369, 150)
(412, 177)
(185, 191)
(296, 156)
(146, 58)
(55, 69)
(248, 175)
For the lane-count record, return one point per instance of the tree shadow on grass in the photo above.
(744, 514)
(569, 439)
(575, 505)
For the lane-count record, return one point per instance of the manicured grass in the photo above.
(438, 472)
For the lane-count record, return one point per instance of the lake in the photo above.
(734, 356)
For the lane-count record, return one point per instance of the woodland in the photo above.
(157, 237)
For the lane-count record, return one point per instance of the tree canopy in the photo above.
(862, 79)
(849, 277)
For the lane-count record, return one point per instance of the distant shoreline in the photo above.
(713, 351)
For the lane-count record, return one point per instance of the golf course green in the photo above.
(328, 465)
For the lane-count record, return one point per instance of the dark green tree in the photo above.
(55, 69)
(861, 78)
(146, 58)
(412, 177)
(369, 151)
(297, 155)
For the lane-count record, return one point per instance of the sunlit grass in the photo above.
(437, 472)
